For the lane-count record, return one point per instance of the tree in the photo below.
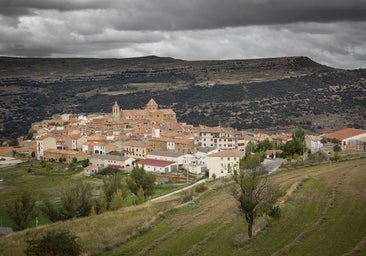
(256, 194)
(264, 145)
(76, 201)
(140, 178)
(85, 162)
(337, 148)
(298, 137)
(110, 186)
(296, 145)
(21, 210)
(251, 147)
(252, 161)
(140, 196)
(57, 243)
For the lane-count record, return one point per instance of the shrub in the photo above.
(187, 196)
(201, 188)
(54, 243)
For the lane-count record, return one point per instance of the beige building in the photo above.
(223, 163)
(44, 143)
(75, 142)
(151, 112)
(137, 149)
(68, 155)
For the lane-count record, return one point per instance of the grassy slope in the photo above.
(324, 216)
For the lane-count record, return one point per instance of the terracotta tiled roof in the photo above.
(140, 144)
(165, 153)
(157, 163)
(228, 153)
(344, 134)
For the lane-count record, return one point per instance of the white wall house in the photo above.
(221, 164)
(197, 163)
(44, 143)
(349, 137)
(167, 156)
(159, 166)
(115, 161)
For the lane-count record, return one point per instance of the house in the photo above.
(100, 147)
(219, 137)
(115, 161)
(349, 137)
(91, 170)
(68, 155)
(137, 149)
(224, 162)
(159, 166)
(43, 143)
(196, 163)
(75, 142)
(181, 145)
(167, 156)
(313, 143)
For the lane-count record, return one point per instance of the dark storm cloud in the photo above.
(25, 7)
(332, 32)
(199, 14)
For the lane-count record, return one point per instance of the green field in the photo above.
(324, 214)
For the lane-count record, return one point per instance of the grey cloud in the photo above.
(27, 7)
(199, 14)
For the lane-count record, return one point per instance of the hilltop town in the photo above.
(154, 138)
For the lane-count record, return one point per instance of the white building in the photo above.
(350, 138)
(43, 143)
(197, 163)
(167, 156)
(224, 162)
(159, 166)
(115, 161)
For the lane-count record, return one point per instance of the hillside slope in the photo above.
(248, 94)
(324, 215)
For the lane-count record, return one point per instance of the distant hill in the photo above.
(272, 94)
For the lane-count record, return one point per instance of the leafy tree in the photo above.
(14, 143)
(21, 210)
(252, 161)
(110, 186)
(256, 195)
(251, 147)
(264, 145)
(296, 145)
(56, 243)
(337, 148)
(140, 178)
(109, 171)
(76, 201)
(298, 137)
(140, 196)
(51, 211)
(85, 162)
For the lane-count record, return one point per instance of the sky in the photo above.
(331, 32)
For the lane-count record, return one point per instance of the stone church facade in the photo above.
(151, 112)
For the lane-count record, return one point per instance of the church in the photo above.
(151, 112)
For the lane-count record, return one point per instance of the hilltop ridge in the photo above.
(270, 93)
